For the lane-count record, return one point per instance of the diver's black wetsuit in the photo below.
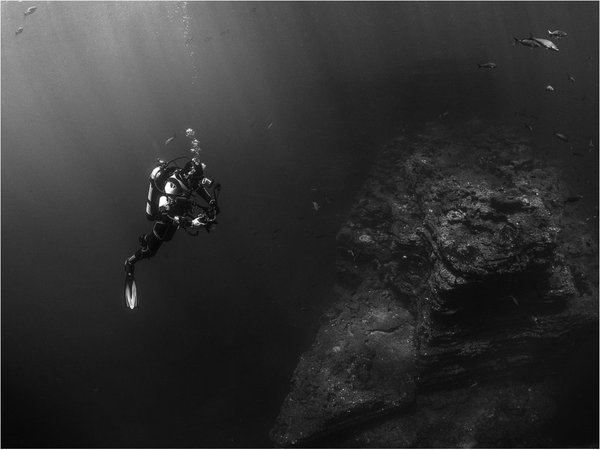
(163, 230)
(179, 205)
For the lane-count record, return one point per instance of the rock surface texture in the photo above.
(464, 291)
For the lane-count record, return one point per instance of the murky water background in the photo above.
(290, 101)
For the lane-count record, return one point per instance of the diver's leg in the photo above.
(150, 243)
(147, 250)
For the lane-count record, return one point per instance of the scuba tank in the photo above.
(158, 177)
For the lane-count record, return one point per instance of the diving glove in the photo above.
(197, 223)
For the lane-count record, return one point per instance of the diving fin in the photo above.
(130, 291)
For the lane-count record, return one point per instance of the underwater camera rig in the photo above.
(206, 214)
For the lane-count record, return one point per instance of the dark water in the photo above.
(290, 101)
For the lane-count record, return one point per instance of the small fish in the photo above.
(571, 79)
(528, 126)
(316, 206)
(547, 44)
(527, 42)
(573, 199)
(488, 65)
(270, 126)
(557, 34)
(171, 139)
(577, 154)
(514, 300)
(561, 136)
(30, 10)
(19, 31)
(591, 144)
(549, 88)
(442, 115)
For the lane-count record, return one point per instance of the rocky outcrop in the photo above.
(461, 292)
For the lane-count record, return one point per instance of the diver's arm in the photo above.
(166, 210)
(183, 221)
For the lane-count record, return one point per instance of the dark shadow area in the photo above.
(577, 420)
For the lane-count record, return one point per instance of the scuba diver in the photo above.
(171, 205)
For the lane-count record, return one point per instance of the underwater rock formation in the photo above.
(462, 291)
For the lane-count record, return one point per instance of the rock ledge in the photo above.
(462, 291)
